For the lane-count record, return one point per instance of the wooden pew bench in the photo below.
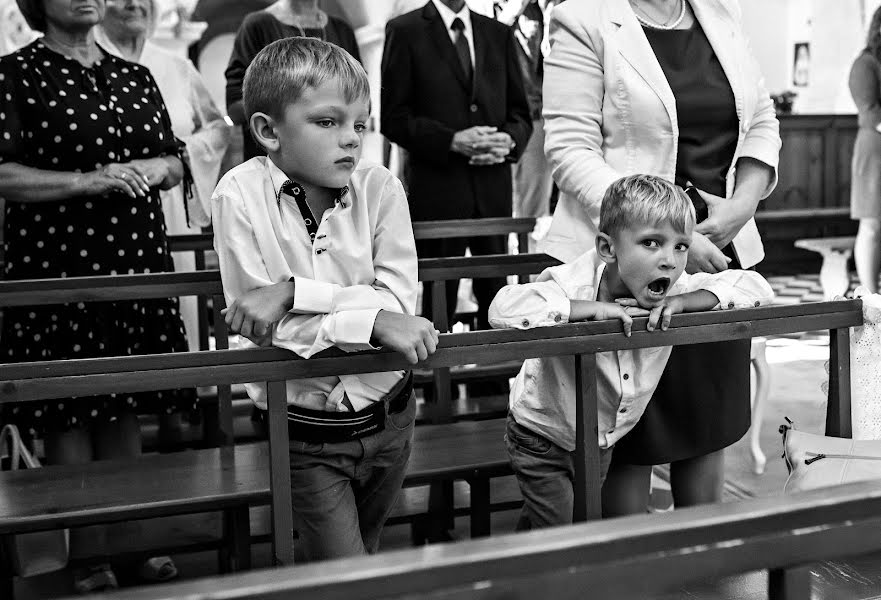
(836, 253)
(626, 559)
(50, 380)
(456, 456)
(232, 480)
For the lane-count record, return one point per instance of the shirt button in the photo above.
(525, 322)
(473, 108)
(557, 318)
(757, 303)
(731, 305)
(626, 376)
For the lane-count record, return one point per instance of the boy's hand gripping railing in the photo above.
(58, 379)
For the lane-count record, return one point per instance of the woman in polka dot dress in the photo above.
(85, 147)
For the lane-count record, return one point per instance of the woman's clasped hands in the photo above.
(133, 178)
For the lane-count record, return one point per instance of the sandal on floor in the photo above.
(158, 568)
(99, 578)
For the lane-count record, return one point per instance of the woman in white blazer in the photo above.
(668, 88)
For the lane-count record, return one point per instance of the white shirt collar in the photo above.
(276, 176)
(449, 16)
(278, 179)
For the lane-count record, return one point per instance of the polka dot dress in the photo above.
(58, 115)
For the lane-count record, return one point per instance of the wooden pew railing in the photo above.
(625, 558)
(26, 382)
(422, 230)
(201, 243)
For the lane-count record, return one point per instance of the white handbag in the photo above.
(820, 461)
(31, 553)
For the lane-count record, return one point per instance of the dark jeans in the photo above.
(546, 474)
(343, 493)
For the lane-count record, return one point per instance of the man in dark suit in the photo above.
(453, 97)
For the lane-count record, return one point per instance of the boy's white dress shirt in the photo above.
(543, 395)
(363, 260)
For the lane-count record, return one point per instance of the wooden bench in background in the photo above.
(57, 379)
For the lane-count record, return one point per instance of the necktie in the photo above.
(462, 50)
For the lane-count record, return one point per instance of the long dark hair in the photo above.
(873, 39)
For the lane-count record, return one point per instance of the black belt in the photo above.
(323, 427)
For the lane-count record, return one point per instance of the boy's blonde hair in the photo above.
(282, 71)
(645, 200)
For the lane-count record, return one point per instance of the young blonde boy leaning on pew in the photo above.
(316, 251)
(636, 269)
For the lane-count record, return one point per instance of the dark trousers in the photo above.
(484, 289)
(343, 493)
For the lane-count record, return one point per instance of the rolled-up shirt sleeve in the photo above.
(529, 305)
(734, 288)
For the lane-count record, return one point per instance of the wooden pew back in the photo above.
(619, 558)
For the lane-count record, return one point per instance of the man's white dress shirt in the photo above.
(363, 261)
(543, 396)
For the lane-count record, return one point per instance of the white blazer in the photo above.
(609, 112)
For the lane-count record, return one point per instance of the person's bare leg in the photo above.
(867, 253)
(74, 447)
(698, 480)
(626, 490)
(122, 439)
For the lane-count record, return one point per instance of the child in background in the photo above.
(636, 269)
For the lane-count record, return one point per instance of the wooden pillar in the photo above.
(441, 494)
(222, 431)
(838, 416)
(587, 453)
(789, 584)
(280, 473)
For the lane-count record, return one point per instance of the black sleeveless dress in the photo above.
(702, 403)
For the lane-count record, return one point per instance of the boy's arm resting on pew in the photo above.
(728, 289)
(545, 303)
(307, 316)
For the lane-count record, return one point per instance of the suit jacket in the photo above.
(610, 112)
(426, 99)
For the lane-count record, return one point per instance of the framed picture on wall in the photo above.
(801, 64)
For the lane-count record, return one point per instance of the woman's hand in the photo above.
(726, 217)
(153, 170)
(115, 177)
(704, 256)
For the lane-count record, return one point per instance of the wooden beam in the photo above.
(490, 265)
(587, 503)
(838, 406)
(280, 473)
(622, 557)
(44, 380)
(422, 230)
(433, 230)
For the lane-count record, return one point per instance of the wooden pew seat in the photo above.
(119, 490)
(218, 479)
